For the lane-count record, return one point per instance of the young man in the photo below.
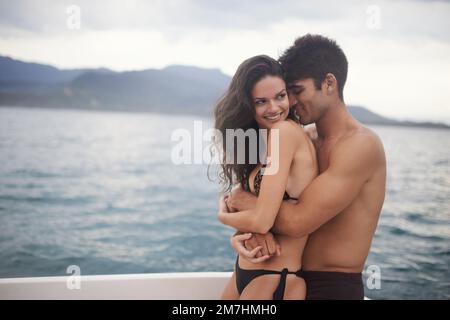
(339, 210)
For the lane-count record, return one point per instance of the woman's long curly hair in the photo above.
(236, 110)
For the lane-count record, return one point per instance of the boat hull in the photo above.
(154, 286)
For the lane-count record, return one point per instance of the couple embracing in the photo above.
(303, 231)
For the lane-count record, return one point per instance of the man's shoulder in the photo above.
(362, 137)
(360, 144)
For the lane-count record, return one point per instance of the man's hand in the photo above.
(241, 200)
(311, 131)
(255, 247)
(224, 204)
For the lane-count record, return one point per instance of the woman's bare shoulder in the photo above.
(288, 132)
(289, 127)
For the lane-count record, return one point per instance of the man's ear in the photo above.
(330, 83)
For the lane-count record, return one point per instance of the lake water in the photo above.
(99, 190)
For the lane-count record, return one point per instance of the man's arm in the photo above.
(351, 165)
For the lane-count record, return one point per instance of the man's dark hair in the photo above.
(313, 56)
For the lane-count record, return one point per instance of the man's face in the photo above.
(309, 103)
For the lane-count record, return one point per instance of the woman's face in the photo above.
(271, 101)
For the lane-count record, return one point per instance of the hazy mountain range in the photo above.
(175, 89)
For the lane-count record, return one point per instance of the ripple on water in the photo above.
(98, 190)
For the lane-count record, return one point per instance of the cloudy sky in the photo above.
(398, 51)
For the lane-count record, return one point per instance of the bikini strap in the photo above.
(300, 272)
(279, 291)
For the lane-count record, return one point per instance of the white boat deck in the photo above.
(153, 286)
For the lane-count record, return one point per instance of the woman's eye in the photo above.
(281, 96)
(260, 102)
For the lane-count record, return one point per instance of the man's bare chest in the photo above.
(323, 152)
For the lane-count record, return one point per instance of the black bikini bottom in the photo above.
(320, 285)
(324, 285)
(245, 276)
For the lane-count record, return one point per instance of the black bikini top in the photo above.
(257, 184)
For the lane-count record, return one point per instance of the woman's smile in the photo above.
(274, 117)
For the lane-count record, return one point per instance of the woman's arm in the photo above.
(262, 217)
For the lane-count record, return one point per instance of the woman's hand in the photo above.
(237, 242)
(255, 247)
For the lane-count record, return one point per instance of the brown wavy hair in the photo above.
(236, 110)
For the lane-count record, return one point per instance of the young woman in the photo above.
(257, 98)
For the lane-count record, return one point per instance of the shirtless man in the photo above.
(339, 210)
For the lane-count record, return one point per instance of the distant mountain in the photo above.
(366, 116)
(175, 89)
(17, 71)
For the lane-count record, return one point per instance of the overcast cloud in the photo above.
(399, 63)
